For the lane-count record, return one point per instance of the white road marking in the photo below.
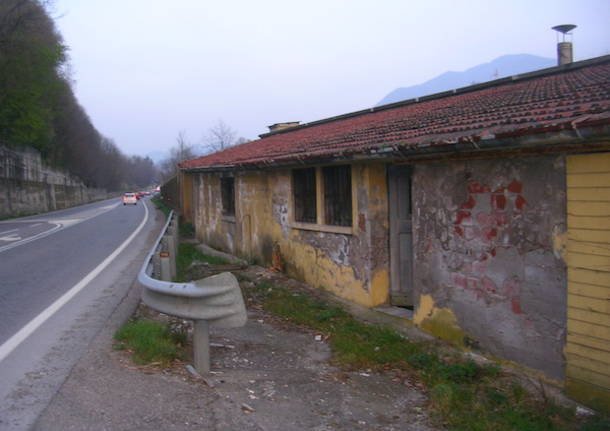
(8, 231)
(32, 238)
(13, 237)
(60, 224)
(13, 342)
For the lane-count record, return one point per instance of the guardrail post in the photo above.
(169, 245)
(201, 346)
(166, 267)
(156, 265)
(212, 301)
(175, 235)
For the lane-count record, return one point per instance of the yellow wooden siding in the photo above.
(601, 356)
(588, 164)
(592, 180)
(586, 374)
(590, 290)
(586, 276)
(588, 303)
(587, 235)
(589, 208)
(580, 222)
(588, 259)
(588, 329)
(588, 341)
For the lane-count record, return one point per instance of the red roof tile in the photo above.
(534, 103)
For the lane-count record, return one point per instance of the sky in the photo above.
(145, 70)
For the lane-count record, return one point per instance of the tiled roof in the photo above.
(543, 101)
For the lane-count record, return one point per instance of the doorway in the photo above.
(401, 236)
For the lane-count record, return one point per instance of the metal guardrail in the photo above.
(213, 301)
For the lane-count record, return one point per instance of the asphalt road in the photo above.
(61, 276)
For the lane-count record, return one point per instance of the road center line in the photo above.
(13, 342)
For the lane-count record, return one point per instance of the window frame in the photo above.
(300, 207)
(321, 224)
(228, 203)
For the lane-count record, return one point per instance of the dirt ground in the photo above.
(267, 375)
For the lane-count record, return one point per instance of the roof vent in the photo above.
(281, 126)
(564, 49)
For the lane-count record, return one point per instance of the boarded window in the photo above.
(227, 189)
(338, 195)
(304, 194)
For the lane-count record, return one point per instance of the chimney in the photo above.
(564, 49)
(281, 126)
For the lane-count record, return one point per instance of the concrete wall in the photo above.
(353, 265)
(27, 186)
(487, 257)
(487, 245)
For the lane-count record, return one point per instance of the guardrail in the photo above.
(214, 301)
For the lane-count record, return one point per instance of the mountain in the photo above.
(501, 67)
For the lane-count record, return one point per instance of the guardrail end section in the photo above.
(235, 314)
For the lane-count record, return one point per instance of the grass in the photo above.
(464, 395)
(150, 342)
(189, 253)
(160, 204)
(187, 230)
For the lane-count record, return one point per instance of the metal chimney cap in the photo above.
(564, 28)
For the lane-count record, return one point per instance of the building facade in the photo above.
(484, 212)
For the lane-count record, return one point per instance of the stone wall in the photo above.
(27, 186)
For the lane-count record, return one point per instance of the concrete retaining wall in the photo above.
(27, 186)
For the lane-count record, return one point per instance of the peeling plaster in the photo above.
(488, 238)
(354, 267)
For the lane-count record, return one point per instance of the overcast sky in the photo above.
(146, 69)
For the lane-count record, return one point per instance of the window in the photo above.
(322, 199)
(338, 195)
(304, 194)
(227, 189)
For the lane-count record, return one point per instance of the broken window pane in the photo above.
(304, 194)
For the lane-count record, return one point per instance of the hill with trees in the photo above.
(39, 110)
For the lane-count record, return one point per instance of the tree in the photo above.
(32, 55)
(183, 150)
(38, 108)
(219, 137)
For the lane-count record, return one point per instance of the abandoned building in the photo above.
(483, 212)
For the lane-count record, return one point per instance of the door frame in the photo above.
(401, 278)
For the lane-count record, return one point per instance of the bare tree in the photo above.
(183, 150)
(219, 137)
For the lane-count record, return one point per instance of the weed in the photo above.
(189, 253)
(150, 342)
(161, 205)
(187, 230)
(465, 396)
(596, 423)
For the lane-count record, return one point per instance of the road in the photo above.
(61, 276)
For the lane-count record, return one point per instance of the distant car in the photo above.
(130, 198)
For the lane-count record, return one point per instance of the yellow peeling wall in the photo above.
(186, 196)
(352, 266)
(588, 259)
